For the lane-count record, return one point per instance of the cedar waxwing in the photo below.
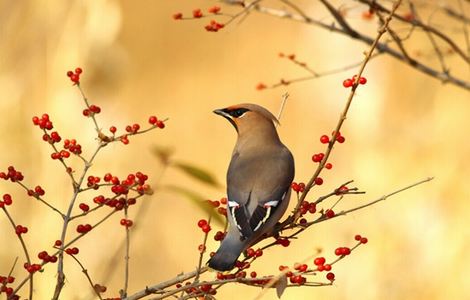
(258, 181)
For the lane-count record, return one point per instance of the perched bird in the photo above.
(258, 181)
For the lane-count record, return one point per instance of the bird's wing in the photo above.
(256, 186)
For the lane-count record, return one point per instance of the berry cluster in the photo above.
(7, 200)
(21, 229)
(12, 174)
(307, 207)
(45, 257)
(72, 251)
(91, 110)
(342, 251)
(284, 242)
(298, 187)
(52, 138)
(44, 122)
(32, 268)
(126, 223)
(75, 77)
(250, 252)
(204, 225)
(361, 239)
(84, 207)
(153, 120)
(214, 26)
(84, 228)
(205, 289)
(197, 13)
(352, 81)
(132, 183)
(4, 288)
(132, 130)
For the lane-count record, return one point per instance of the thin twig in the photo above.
(285, 96)
(143, 208)
(85, 271)
(126, 257)
(343, 115)
(25, 250)
(381, 47)
(62, 249)
(202, 251)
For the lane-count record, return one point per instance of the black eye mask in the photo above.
(236, 113)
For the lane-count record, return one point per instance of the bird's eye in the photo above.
(237, 113)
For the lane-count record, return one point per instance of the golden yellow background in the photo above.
(403, 126)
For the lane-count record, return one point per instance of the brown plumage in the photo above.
(258, 181)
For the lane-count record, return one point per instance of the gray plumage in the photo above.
(258, 181)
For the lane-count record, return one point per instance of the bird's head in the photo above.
(247, 117)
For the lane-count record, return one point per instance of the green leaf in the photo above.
(200, 202)
(197, 173)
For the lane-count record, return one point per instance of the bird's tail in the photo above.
(227, 254)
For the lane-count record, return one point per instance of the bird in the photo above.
(259, 178)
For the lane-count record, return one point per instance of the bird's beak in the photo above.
(222, 112)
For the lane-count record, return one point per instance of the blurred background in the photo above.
(403, 126)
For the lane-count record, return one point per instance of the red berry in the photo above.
(364, 240)
(357, 237)
(362, 80)
(258, 252)
(342, 189)
(58, 243)
(312, 208)
(153, 120)
(324, 139)
(328, 166)
(69, 73)
(214, 9)
(318, 181)
(347, 83)
(197, 13)
(80, 228)
(327, 267)
(112, 129)
(261, 86)
(340, 139)
(330, 276)
(201, 223)
(250, 252)
(253, 274)
(206, 228)
(78, 71)
(75, 78)
(135, 127)
(329, 213)
(160, 124)
(178, 16)
(319, 261)
(7, 199)
(42, 255)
